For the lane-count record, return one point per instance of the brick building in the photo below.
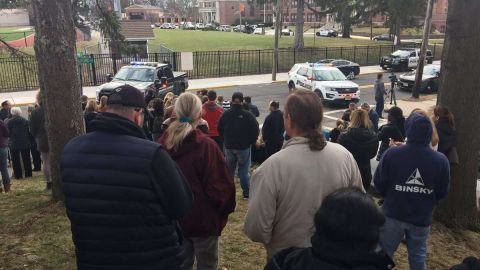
(151, 14)
(439, 15)
(228, 11)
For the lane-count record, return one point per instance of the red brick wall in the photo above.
(439, 14)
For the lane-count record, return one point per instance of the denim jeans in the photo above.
(4, 166)
(393, 232)
(242, 157)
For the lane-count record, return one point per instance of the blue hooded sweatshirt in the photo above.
(413, 178)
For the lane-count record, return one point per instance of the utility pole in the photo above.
(423, 50)
(277, 33)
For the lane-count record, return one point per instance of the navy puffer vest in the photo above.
(116, 216)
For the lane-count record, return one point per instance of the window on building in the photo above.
(318, 18)
(293, 17)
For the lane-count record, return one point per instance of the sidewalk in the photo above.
(28, 97)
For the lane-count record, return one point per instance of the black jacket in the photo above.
(326, 257)
(387, 132)
(123, 195)
(362, 143)
(19, 133)
(4, 114)
(253, 109)
(446, 136)
(37, 128)
(89, 116)
(273, 128)
(238, 127)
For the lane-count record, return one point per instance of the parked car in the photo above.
(430, 79)
(158, 24)
(167, 26)
(239, 28)
(189, 26)
(148, 77)
(287, 32)
(348, 68)
(200, 26)
(328, 82)
(259, 31)
(210, 27)
(327, 33)
(225, 28)
(384, 37)
(404, 59)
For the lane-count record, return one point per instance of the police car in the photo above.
(152, 78)
(404, 59)
(329, 83)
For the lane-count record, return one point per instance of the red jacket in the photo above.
(205, 168)
(211, 113)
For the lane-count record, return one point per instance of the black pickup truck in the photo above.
(154, 79)
(404, 59)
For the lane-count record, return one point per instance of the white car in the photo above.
(199, 26)
(259, 31)
(167, 26)
(225, 28)
(328, 82)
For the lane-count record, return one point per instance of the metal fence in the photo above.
(20, 73)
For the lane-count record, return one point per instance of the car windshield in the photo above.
(428, 70)
(329, 75)
(135, 74)
(401, 53)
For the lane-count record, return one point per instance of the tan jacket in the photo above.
(287, 190)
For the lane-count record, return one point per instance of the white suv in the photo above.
(328, 82)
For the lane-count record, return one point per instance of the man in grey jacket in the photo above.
(380, 94)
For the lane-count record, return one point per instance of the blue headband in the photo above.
(185, 120)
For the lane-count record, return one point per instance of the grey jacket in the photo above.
(379, 89)
(286, 192)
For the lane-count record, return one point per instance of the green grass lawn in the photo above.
(189, 40)
(14, 33)
(36, 234)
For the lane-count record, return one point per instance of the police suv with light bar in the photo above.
(329, 83)
(154, 79)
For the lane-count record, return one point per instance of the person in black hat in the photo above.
(239, 131)
(123, 193)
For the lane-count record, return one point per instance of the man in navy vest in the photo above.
(123, 193)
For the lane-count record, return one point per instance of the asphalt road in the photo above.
(262, 94)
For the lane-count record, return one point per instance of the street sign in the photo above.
(83, 59)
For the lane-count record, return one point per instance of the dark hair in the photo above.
(379, 75)
(306, 113)
(204, 99)
(395, 116)
(4, 103)
(349, 216)
(443, 112)
(274, 104)
(212, 95)
(248, 99)
(158, 106)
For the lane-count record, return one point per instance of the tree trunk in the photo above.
(398, 30)
(59, 83)
(459, 92)
(346, 25)
(299, 43)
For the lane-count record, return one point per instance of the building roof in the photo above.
(13, 11)
(136, 30)
(142, 7)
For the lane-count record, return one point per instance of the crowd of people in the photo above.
(151, 186)
(23, 144)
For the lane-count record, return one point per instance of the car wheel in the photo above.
(320, 95)
(291, 87)
(430, 88)
(351, 75)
